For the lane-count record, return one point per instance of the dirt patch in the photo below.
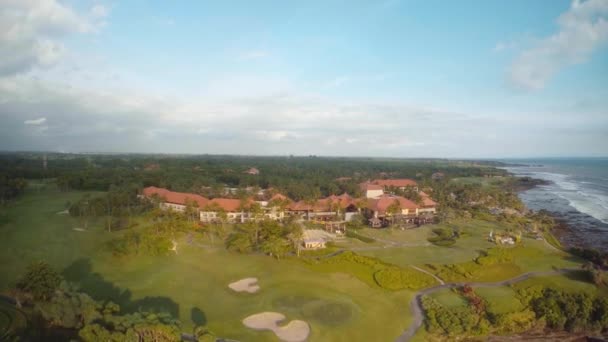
(249, 285)
(294, 331)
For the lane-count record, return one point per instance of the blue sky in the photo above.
(386, 78)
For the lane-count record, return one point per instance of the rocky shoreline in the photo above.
(563, 230)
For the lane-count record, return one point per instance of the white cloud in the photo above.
(582, 29)
(38, 121)
(30, 32)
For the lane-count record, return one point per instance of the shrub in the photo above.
(395, 278)
(40, 280)
(359, 237)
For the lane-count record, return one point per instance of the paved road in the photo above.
(416, 303)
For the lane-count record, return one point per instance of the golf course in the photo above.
(340, 300)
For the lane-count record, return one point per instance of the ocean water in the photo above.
(578, 193)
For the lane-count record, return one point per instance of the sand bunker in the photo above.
(79, 229)
(64, 212)
(294, 331)
(245, 285)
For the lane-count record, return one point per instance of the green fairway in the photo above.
(449, 298)
(530, 255)
(500, 300)
(335, 305)
(35, 231)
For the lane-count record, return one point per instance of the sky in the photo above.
(448, 79)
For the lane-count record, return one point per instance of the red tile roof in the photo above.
(398, 183)
(382, 203)
(426, 200)
(300, 206)
(325, 204)
(369, 186)
(228, 204)
(279, 197)
(175, 197)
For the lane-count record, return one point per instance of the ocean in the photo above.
(578, 194)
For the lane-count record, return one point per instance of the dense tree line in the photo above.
(545, 308)
(297, 177)
(573, 312)
(11, 187)
(116, 207)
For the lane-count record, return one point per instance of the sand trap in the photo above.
(245, 285)
(79, 229)
(63, 212)
(294, 331)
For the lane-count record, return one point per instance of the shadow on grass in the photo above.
(582, 275)
(80, 272)
(198, 317)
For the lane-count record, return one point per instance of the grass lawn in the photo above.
(500, 300)
(35, 231)
(448, 298)
(531, 255)
(575, 283)
(192, 285)
(338, 307)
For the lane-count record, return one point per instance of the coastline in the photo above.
(562, 230)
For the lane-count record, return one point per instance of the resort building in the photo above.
(371, 190)
(177, 201)
(379, 206)
(401, 183)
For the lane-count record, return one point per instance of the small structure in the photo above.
(252, 171)
(336, 227)
(313, 243)
(375, 222)
(437, 176)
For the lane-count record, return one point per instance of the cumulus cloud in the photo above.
(31, 32)
(582, 29)
(39, 121)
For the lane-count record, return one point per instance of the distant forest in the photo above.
(297, 177)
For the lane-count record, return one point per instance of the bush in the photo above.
(394, 278)
(351, 234)
(453, 322)
(445, 237)
(494, 256)
(40, 280)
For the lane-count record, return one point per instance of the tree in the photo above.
(191, 210)
(40, 281)
(275, 246)
(295, 236)
(393, 209)
(69, 309)
(239, 242)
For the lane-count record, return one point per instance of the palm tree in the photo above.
(295, 237)
(393, 209)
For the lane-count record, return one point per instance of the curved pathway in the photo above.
(439, 280)
(416, 303)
